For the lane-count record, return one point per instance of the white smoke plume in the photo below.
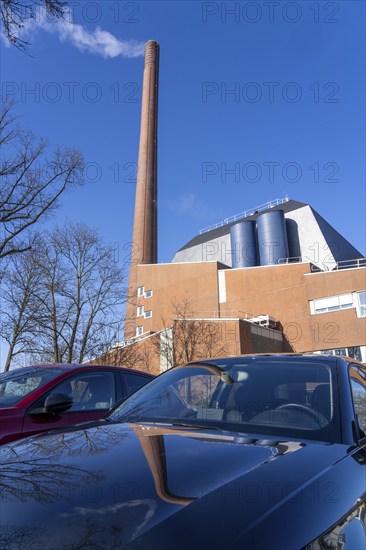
(98, 41)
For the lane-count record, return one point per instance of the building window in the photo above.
(140, 311)
(354, 352)
(148, 314)
(332, 303)
(139, 331)
(140, 291)
(361, 304)
(355, 300)
(148, 293)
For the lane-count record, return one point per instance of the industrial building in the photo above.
(274, 278)
(281, 303)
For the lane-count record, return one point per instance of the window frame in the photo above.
(55, 389)
(334, 301)
(360, 308)
(352, 379)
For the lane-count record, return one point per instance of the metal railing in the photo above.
(342, 264)
(291, 260)
(245, 214)
(216, 314)
(351, 264)
(260, 319)
(331, 266)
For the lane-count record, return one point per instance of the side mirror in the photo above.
(56, 403)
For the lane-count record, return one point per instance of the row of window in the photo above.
(142, 293)
(355, 352)
(355, 300)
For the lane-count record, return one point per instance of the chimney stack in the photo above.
(144, 240)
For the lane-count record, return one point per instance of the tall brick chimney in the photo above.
(144, 239)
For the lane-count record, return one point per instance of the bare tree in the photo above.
(121, 355)
(69, 298)
(20, 291)
(143, 355)
(147, 360)
(31, 183)
(184, 338)
(15, 13)
(85, 286)
(188, 338)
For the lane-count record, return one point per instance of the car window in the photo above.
(358, 385)
(89, 391)
(290, 399)
(197, 390)
(134, 382)
(15, 385)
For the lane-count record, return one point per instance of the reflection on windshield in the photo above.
(276, 397)
(15, 385)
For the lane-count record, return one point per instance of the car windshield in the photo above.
(286, 397)
(17, 384)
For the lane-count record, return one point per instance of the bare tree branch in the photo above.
(193, 338)
(15, 13)
(31, 183)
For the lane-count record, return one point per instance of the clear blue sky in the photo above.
(294, 125)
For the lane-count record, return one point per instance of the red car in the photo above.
(40, 398)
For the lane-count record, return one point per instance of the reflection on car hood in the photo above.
(153, 486)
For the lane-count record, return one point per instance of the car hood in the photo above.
(155, 486)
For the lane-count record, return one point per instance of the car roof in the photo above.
(65, 367)
(306, 357)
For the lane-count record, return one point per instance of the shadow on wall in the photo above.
(292, 230)
(261, 340)
(287, 347)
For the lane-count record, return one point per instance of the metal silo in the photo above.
(272, 237)
(294, 248)
(243, 244)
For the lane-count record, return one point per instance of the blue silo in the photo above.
(293, 240)
(272, 237)
(243, 244)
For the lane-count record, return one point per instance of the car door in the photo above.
(93, 393)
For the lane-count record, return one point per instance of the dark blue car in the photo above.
(253, 452)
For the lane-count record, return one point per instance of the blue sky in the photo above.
(257, 100)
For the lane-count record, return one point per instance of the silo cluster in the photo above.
(259, 242)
